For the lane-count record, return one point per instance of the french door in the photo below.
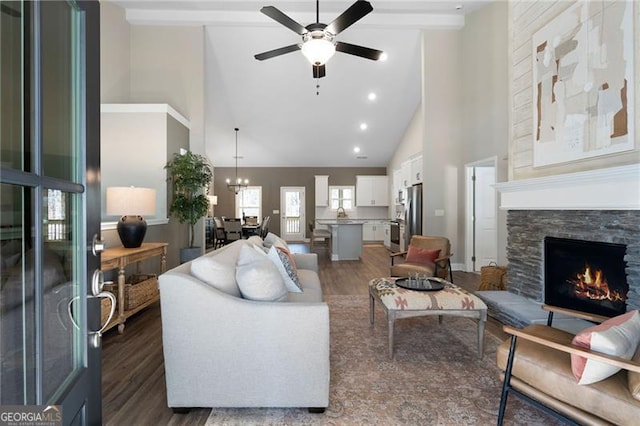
(292, 210)
(50, 199)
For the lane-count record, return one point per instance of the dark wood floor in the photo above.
(134, 390)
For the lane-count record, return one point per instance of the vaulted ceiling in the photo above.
(284, 118)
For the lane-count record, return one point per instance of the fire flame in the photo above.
(594, 286)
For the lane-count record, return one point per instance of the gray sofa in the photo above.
(221, 350)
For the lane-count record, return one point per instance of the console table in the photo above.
(119, 258)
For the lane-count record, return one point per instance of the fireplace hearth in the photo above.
(585, 275)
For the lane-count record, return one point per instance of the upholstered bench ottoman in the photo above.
(399, 302)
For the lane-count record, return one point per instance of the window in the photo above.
(249, 202)
(341, 196)
(56, 223)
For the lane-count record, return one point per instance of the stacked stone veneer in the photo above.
(525, 245)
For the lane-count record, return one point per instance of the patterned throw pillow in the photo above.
(420, 255)
(618, 336)
(287, 267)
(257, 277)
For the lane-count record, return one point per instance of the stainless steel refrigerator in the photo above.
(413, 213)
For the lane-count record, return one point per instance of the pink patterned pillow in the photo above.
(618, 336)
(420, 255)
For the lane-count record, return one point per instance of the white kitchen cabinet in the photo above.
(368, 231)
(416, 170)
(322, 191)
(397, 186)
(373, 230)
(372, 191)
(405, 173)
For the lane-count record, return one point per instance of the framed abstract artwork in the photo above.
(583, 84)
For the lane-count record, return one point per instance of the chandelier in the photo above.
(239, 183)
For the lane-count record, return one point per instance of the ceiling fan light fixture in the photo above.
(318, 50)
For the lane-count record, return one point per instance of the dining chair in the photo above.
(218, 232)
(232, 229)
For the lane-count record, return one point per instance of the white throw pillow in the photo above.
(279, 242)
(273, 240)
(217, 273)
(255, 240)
(269, 239)
(617, 336)
(287, 268)
(258, 278)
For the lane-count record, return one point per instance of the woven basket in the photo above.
(493, 277)
(139, 290)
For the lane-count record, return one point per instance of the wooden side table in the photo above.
(119, 258)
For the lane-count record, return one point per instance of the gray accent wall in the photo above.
(273, 178)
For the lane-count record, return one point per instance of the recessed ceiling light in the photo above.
(372, 96)
(363, 126)
(356, 149)
(383, 57)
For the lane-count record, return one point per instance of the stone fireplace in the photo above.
(527, 230)
(600, 206)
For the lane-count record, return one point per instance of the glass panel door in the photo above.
(45, 358)
(292, 227)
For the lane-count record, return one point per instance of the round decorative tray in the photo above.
(421, 284)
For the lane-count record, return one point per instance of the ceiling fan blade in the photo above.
(277, 52)
(350, 16)
(278, 16)
(319, 71)
(363, 52)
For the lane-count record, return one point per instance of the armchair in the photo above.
(440, 266)
(537, 368)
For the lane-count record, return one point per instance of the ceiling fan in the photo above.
(317, 38)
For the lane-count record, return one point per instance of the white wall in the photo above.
(115, 50)
(485, 107)
(167, 66)
(463, 118)
(411, 142)
(141, 64)
(441, 154)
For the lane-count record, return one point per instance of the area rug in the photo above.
(435, 377)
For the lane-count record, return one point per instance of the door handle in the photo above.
(97, 283)
(97, 245)
(95, 337)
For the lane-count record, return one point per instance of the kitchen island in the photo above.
(346, 238)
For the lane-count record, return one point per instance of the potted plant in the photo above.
(190, 175)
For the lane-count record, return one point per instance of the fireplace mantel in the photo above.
(615, 188)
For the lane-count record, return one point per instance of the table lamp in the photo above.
(131, 203)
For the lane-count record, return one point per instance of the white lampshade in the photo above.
(318, 50)
(129, 200)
